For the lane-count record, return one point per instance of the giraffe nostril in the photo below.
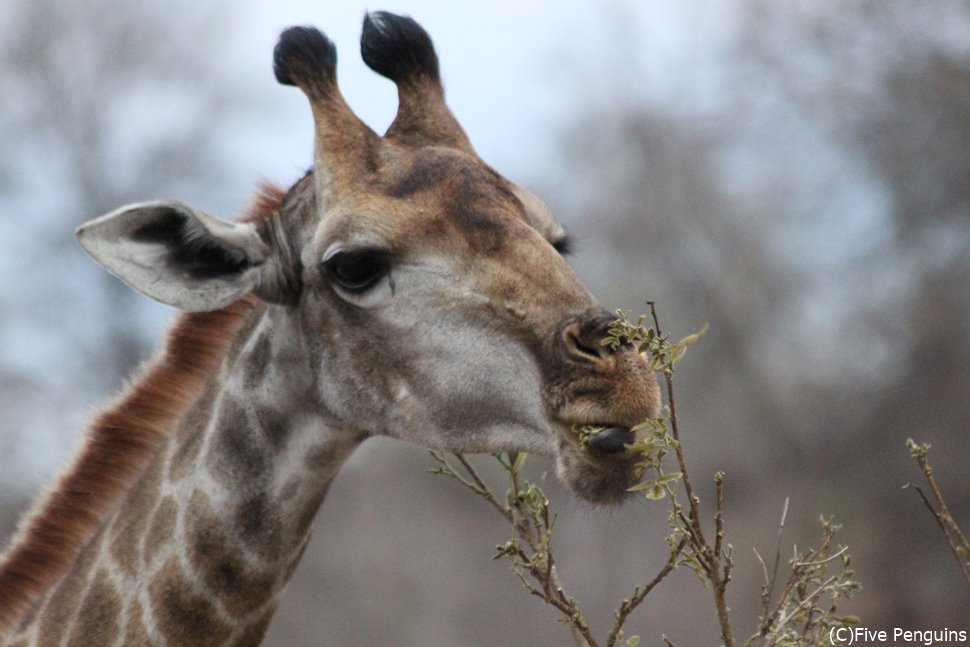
(578, 347)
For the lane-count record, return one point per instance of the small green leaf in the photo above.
(642, 486)
(633, 641)
(690, 339)
(644, 447)
(656, 493)
(519, 461)
(676, 353)
(646, 424)
(916, 450)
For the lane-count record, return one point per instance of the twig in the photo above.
(809, 599)
(768, 589)
(944, 510)
(528, 513)
(710, 559)
(781, 529)
(724, 576)
(675, 432)
(819, 562)
(640, 593)
(718, 513)
(483, 490)
(943, 527)
(551, 590)
(955, 538)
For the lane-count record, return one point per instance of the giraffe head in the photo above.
(425, 294)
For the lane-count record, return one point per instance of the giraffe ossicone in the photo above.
(402, 287)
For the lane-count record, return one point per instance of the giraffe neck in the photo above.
(201, 547)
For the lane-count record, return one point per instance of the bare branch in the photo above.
(640, 593)
(951, 542)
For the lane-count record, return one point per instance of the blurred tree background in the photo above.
(99, 112)
(801, 181)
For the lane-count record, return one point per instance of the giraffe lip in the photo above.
(611, 440)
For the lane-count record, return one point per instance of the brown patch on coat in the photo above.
(236, 454)
(120, 444)
(183, 615)
(274, 425)
(477, 203)
(162, 528)
(55, 617)
(136, 633)
(133, 518)
(259, 525)
(224, 572)
(100, 611)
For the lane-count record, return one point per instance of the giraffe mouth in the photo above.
(611, 440)
(605, 438)
(594, 461)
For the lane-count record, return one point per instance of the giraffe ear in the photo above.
(176, 254)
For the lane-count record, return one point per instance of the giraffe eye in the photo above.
(357, 271)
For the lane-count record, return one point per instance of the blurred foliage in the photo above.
(101, 111)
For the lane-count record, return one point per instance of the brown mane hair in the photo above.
(120, 443)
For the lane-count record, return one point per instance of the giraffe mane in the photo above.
(121, 442)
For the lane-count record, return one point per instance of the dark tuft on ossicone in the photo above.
(398, 48)
(306, 58)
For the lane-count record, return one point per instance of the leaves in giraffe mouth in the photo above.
(612, 440)
(608, 439)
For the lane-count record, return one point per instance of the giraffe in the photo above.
(402, 287)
